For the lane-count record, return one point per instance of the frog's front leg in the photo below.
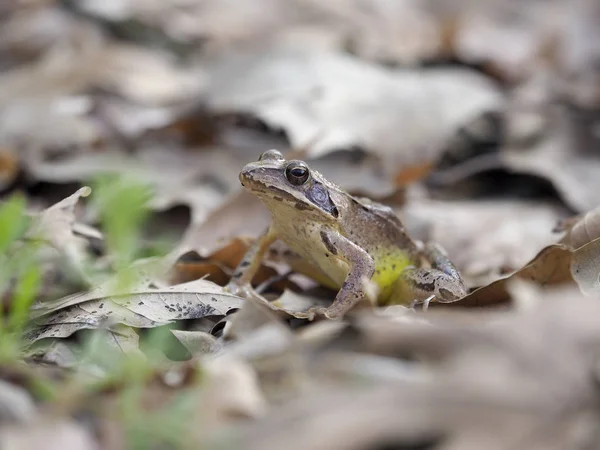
(352, 291)
(240, 282)
(442, 281)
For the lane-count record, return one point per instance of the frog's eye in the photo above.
(271, 154)
(297, 172)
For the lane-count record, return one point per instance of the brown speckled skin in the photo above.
(348, 238)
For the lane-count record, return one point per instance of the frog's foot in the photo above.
(317, 311)
(425, 303)
(242, 290)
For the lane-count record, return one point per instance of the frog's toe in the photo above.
(423, 303)
(241, 290)
(313, 312)
(427, 301)
(329, 313)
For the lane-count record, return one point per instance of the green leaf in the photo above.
(13, 221)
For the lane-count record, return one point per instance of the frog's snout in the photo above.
(244, 176)
(247, 176)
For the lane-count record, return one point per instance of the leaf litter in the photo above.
(476, 121)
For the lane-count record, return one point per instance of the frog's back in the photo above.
(374, 226)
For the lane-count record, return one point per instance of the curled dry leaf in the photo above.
(582, 229)
(585, 267)
(575, 258)
(143, 308)
(551, 266)
(55, 226)
(583, 238)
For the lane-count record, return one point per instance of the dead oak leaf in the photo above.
(554, 265)
(55, 224)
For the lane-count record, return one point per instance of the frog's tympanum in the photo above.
(349, 239)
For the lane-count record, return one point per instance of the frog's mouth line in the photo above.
(270, 191)
(318, 197)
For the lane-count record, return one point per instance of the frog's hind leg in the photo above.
(442, 281)
(439, 260)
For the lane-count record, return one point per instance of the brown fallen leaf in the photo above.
(241, 214)
(552, 266)
(9, 167)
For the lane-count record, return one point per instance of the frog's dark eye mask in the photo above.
(297, 173)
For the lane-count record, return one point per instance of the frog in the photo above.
(352, 241)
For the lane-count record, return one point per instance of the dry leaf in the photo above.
(222, 225)
(562, 155)
(197, 342)
(55, 227)
(550, 267)
(489, 381)
(55, 224)
(582, 229)
(143, 308)
(320, 100)
(585, 267)
(483, 238)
